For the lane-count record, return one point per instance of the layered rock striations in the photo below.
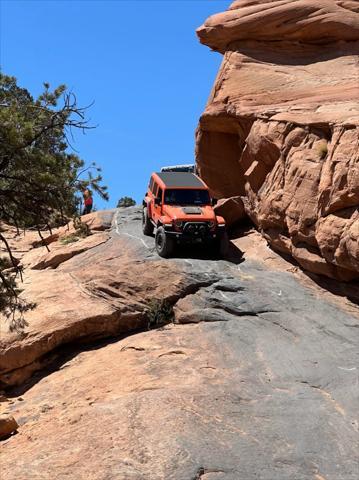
(280, 131)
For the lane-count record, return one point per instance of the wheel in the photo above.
(164, 243)
(147, 226)
(220, 246)
(224, 245)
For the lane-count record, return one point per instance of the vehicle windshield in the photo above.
(187, 197)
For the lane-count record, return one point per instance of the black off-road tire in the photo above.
(147, 227)
(224, 245)
(165, 245)
(220, 246)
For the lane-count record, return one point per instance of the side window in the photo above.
(154, 188)
(159, 194)
(151, 184)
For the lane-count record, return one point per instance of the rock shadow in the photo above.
(287, 53)
(348, 290)
(232, 255)
(58, 358)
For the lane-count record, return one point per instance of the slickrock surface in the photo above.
(281, 127)
(90, 289)
(256, 379)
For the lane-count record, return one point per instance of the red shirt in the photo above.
(88, 201)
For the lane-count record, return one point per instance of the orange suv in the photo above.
(178, 205)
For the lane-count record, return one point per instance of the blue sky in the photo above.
(139, 61)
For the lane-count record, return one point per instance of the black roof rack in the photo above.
(180, 168)
(180, 179)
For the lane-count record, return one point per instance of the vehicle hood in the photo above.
(189, 213)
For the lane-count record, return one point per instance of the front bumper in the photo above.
(196, 235)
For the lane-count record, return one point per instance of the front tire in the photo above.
(220, 247)
(147, 227)
(224, 245)
(165, 245)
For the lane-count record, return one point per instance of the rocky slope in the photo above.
(280, 134)
(256, 377)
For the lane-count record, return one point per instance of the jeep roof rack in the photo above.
(180, 168)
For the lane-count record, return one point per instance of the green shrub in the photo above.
(71, 238)
(82, 231)
(159, 313)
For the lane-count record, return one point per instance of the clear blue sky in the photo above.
(139, 61)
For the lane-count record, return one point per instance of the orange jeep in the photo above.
(178, 205)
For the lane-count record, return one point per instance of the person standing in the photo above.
(88, 201)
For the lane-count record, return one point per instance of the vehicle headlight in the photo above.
(211, 224)
(178, 223)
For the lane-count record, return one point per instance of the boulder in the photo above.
(231, 209)
(8, 425)
(281, 127)
(99, 220)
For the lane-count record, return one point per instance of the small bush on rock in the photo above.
(159, 313)
(71, 238)
(82, 231)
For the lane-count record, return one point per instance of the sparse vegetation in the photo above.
(82, 231)
(126, 202)
(323, 150)
(70, 238)
(159, 313)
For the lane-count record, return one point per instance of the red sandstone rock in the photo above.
(209, 384)
(232, 209)
(300, 20)
(281, 127)
(40, 258)
(95, 288)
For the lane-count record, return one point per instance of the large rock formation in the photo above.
(255, 378)
(281, 126)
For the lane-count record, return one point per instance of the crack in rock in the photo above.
(138, 349)
(203, 471)
(288, 330)
(172, 352)
(192, 288)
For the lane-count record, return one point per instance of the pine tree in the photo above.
(126, 202)
(40, 179)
